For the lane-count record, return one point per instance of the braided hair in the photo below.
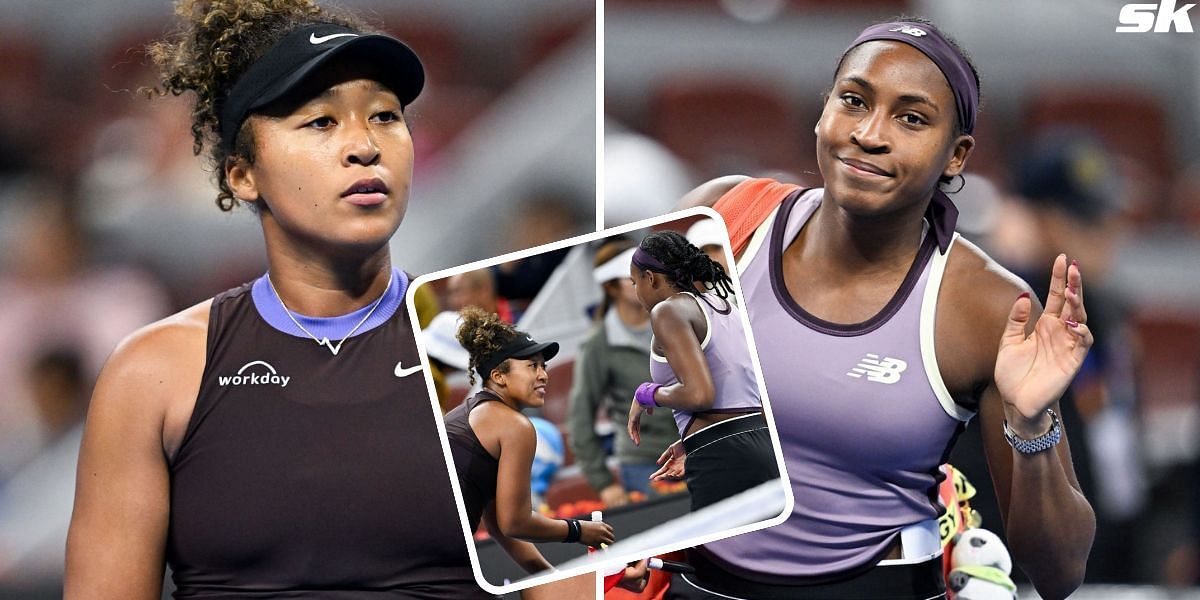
(688, 264)
(481, 334)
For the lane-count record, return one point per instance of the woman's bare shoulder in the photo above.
(166, 340)
(508, 419)
(707, 193)
(979, 284)
(158, 363)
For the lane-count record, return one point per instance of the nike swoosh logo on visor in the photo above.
(313, 39)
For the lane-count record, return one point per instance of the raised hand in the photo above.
(1033, 371)
(671, 463)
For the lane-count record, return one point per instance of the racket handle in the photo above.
(671, 566)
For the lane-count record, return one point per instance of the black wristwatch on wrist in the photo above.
(1040, 443)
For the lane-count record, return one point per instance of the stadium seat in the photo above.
(722, 126)
(1129, 121)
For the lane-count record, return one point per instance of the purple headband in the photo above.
(646, 262)
(942, 213)
(949, 61)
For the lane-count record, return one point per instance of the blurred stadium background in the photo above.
(1088, 144)
(107, 220)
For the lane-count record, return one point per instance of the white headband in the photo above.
(616, 267)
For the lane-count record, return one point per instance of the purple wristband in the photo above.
(645, 393)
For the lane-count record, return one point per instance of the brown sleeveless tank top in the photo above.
(477, 468)
(303, 474)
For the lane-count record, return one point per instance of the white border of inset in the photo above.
(608, 558)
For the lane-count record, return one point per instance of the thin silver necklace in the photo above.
(325, 341)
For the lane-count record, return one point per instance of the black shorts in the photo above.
(920, 581)
(728, 457)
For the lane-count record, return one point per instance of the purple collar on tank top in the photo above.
(334, 328)
(778, 228)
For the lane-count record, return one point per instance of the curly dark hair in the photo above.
(688, 263)
(483, 333)
(215, 44)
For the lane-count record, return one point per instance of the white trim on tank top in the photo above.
(928, 347)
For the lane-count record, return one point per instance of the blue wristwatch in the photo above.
(1040, 443)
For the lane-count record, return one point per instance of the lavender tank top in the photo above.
(863, 416)
(728, 357)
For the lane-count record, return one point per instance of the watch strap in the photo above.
(1038, 444)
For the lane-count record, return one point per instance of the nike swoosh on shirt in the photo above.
(314, 39)
(402, 371)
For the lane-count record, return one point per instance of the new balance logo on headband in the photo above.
(313, 39)
(910, 30)
(880, 370)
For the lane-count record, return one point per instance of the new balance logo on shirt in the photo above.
(880, 370)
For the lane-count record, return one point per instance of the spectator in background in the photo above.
(522, 279)
(543, 218)
(613, 361)
(1074, 192)
(446, 355)
(478, 288)
(47, 273)
(36, 500)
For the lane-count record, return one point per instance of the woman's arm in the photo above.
(514, 510)
(522, 552)
(1048, 522)
(678, 324)
(117, 538)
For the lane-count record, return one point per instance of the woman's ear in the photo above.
(498, 375)
(657, 280)
(963, 146)
(239, 175)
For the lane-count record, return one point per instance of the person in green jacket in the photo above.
(610, 365)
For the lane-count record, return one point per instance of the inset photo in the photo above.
(601, 401)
